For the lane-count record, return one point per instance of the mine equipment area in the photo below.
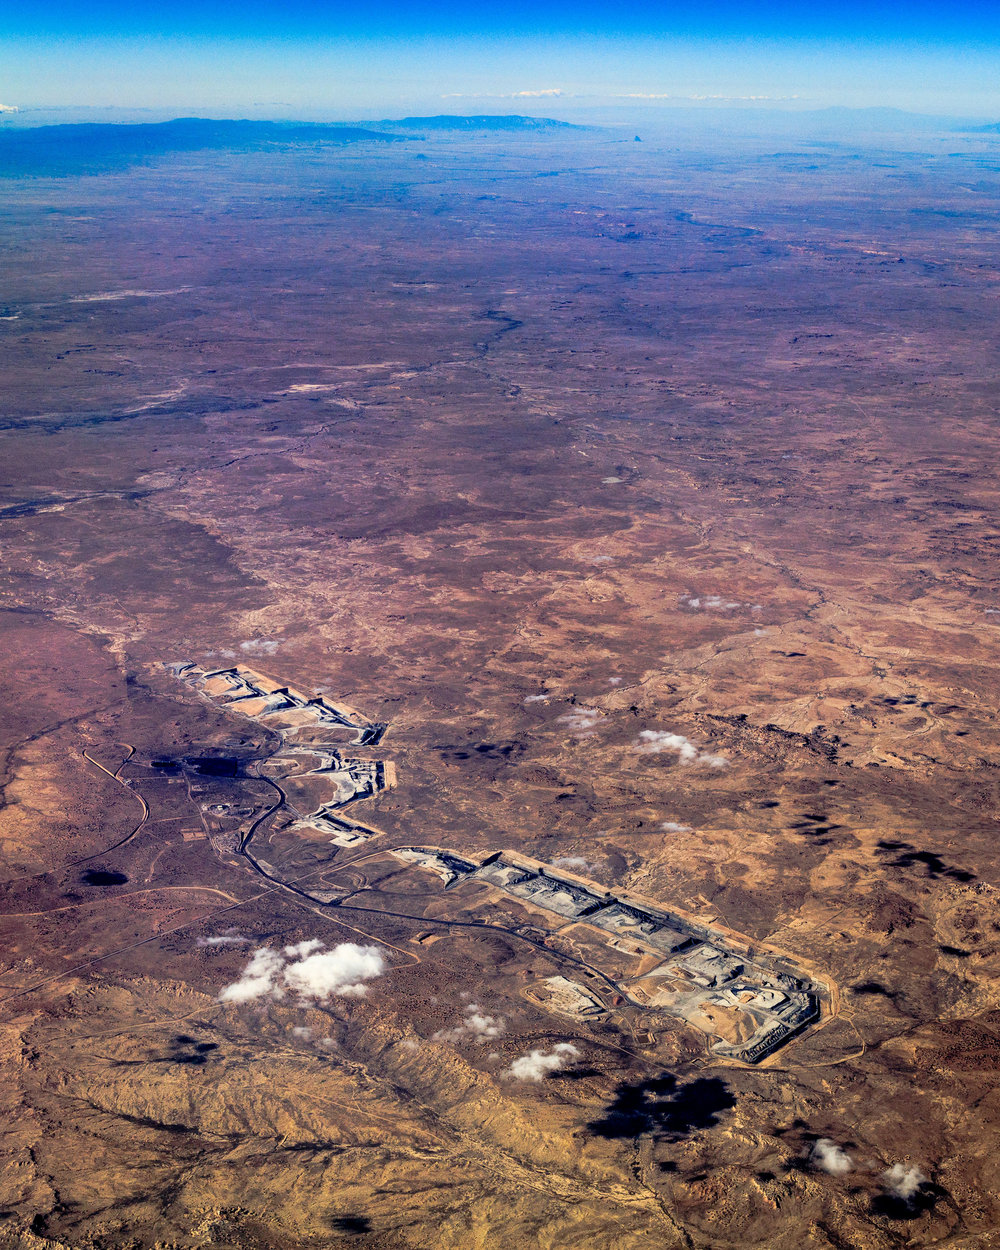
(245, 690)
(700, 974)
(286, 710)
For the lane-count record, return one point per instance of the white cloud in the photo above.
(829, 1157)
(259, 646)
(225, 939)
(537, 698)
(580, 721)
(903, 1181)
(673, 826)
(307, 970)
(573, 861)
(507, 95)
(342, 971)
(655, 741)
(9, 108)
(536, 1064)
(614, 681)
(305, 1034)
(710, 603)
(475, 1025)
(258, 979)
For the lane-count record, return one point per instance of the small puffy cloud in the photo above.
(655, 741)
(259, 646)
(535, 95)
(575, 863)
(475, 1025)
(343, 970)
(308, 971)
(904, 1181)
(829, 1157)
(224, 939)
(536, 1065)
(581, 721)
(614, 681)
(259, 979)
(674, 826)
(709, 603)
(537, 698)
(305, 1034)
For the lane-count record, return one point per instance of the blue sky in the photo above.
(385, 56)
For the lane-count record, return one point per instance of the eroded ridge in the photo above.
(712, 979)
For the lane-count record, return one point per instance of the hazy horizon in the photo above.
(405, 55)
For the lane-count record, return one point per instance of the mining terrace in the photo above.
(687, 970)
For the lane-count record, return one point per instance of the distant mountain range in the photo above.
(89, 147)
(484, 121)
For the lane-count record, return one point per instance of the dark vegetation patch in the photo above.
(664, 1108)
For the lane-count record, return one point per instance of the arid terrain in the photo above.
(628, 511)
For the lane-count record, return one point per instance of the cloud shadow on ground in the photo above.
(663, 1107)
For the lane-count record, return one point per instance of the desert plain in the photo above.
(638, 502)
